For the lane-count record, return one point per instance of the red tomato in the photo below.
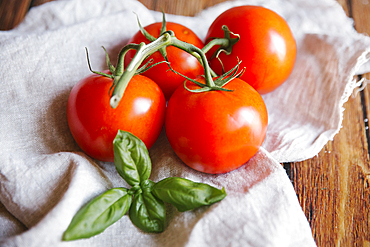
(216, 131)
(180, 60)
(94, 124)
(266, 47)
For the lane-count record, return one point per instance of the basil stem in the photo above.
(98, 214)
(185, 194)
(148, 212)
(131, 158)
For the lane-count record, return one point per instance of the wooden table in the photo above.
(333, 188)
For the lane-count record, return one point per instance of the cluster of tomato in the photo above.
(215, 131)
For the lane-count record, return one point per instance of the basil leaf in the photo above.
(98, 214)
(185, 194)
(148, 212)
(131, 158)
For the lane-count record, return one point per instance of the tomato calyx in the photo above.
(110, 66)
(151, 38)
(116, 72)
(218, 83)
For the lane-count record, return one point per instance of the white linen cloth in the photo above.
(45, 178)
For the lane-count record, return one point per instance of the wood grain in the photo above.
(12, 13)
(333, 188)
(180, 7)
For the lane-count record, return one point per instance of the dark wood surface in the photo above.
(333, 188)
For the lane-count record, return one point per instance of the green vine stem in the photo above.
(145, 50)
(122, 77)
(120, 63)
(195, 51)
(225, 44)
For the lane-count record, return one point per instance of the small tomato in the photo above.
(94, 124)
(267, 48)
(216, 131)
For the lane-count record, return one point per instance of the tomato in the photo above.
(267, 48)
(216, 131)
(180, 60)
(94, 124)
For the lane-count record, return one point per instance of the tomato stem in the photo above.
(120, 63)
(122, 77)
(143, 51)
(225, 44)
(198, 53)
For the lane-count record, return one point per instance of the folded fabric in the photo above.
(45, 178)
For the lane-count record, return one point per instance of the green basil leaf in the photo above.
(98, 214)
(131, 158)
(185, 194)
(148, 212)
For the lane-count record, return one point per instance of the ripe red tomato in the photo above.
(180, 60)
(94, 124)
(266, 47)
(216, 131)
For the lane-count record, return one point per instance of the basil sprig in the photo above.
(144, 201)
